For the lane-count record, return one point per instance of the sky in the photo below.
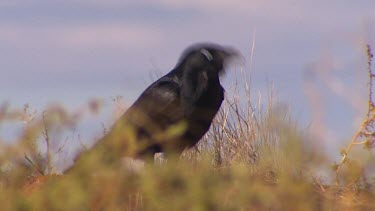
(72, 51)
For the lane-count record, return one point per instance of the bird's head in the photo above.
(208, 56)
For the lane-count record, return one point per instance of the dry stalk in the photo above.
(366, 130)
(48, 144)
(36, 167)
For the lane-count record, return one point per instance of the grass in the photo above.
(254, 157)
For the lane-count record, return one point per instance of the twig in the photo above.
(371, 76)
(34, 166)
(370, 117)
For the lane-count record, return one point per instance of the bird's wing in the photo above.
(155, 110)
(160, 103)
(159, 97)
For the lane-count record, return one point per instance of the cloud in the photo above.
(101, 35)
(111, 36)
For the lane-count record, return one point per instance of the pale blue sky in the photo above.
(72, 51)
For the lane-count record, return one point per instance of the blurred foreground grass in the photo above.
(254, 158)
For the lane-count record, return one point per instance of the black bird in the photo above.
(174, 112)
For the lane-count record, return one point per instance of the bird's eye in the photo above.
(207, 54)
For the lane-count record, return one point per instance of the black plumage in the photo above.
(187, 98)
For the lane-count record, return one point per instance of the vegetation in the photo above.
(254, 157)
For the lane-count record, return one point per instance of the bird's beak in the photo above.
(232, 56)
(230, 52)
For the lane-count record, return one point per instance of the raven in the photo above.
(174, 112)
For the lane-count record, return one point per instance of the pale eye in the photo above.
(207, 54)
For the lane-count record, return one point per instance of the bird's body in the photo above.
(188, 98)
(167, 104)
